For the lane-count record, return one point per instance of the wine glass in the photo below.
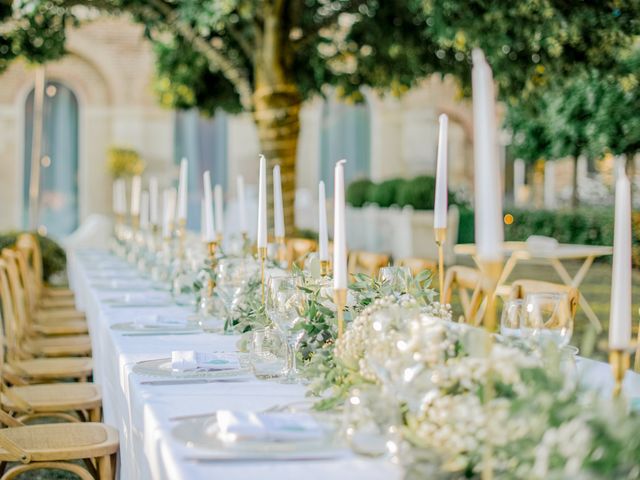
(510, 319)
(547, 317)
(283, 302)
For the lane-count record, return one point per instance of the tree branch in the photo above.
(242, 42)
(235, 75)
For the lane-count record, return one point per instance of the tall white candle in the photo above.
(122, 196)
(519, 170)
(144, 210)
(136, 189)
(489, 227)
(153, 201)
(620, 316)
(182, 190)
(210, 230)
(262, 204)
(278, 212)
(218, 198)
(441, 200)
(339, 234)
(168, 211)
(323, 237)
(549, 185)
(241, 203)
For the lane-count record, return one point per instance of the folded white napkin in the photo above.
(540, 242)
(278, 427)
(185, 360)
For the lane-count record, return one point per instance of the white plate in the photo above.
(160, 327)
(199, 435)
(162, 368)
(138, 300)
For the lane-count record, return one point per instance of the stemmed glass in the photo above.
(396, 277)
(547, 317)
(511, 318)
(283, 302)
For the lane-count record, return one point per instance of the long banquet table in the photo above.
(142, 413)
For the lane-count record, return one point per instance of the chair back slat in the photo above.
(369, 263)
(521, 288)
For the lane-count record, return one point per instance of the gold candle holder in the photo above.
(325, 268)
(620, 361)
(441, 237)
(491, 271)
(135, 222)
(340, 299)
(211, 249)
(262, 254)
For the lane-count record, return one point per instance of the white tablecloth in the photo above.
(142, 413)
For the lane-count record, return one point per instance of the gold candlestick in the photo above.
(620, 360)
(325, 268)
(340, 299)
(262, 253)
(491, 270)
(441, 237)
(211, 249)
(135, 222)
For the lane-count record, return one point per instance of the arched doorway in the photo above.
(59, 160)
(345, 133)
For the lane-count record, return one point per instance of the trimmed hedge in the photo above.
(418, 192)
(54, 259)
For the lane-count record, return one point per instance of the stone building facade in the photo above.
(110, 70)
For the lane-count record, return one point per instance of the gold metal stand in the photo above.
(620, 361)
(340, 299)
(135, 223)
(491, 271)
(325, 268)
(281, 249)
(262, 254)
(211, 249)
(441, 237)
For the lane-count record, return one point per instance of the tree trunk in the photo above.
(277, 116)
(575, 199)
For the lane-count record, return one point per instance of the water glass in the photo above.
(268, 353)
(547, 317)
(510, 319)
(396, 277)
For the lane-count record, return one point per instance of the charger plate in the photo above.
(161, 367)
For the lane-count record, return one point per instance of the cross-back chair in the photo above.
(298, 249)
(21, 363)
(473, 289)
(369, 263)
(521, 288)
(417, 265)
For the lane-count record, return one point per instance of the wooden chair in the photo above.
(368, 263)
(298, 249)
(473, 289)
(29, 243)
(23, 298)
(417, 265)
(21, 364)
(521, 288)
(54, 446)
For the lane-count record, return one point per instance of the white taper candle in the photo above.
(168, 211)
(323, 236)
(339, 234)
(144, 210)
(241, 203)
(489, 227)
(278, 212)
(210, 230)
(183, 190)
(620, 318)
(136, 189)
(262, 204)
(153, 201)
(219, 204)
(441, 200)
